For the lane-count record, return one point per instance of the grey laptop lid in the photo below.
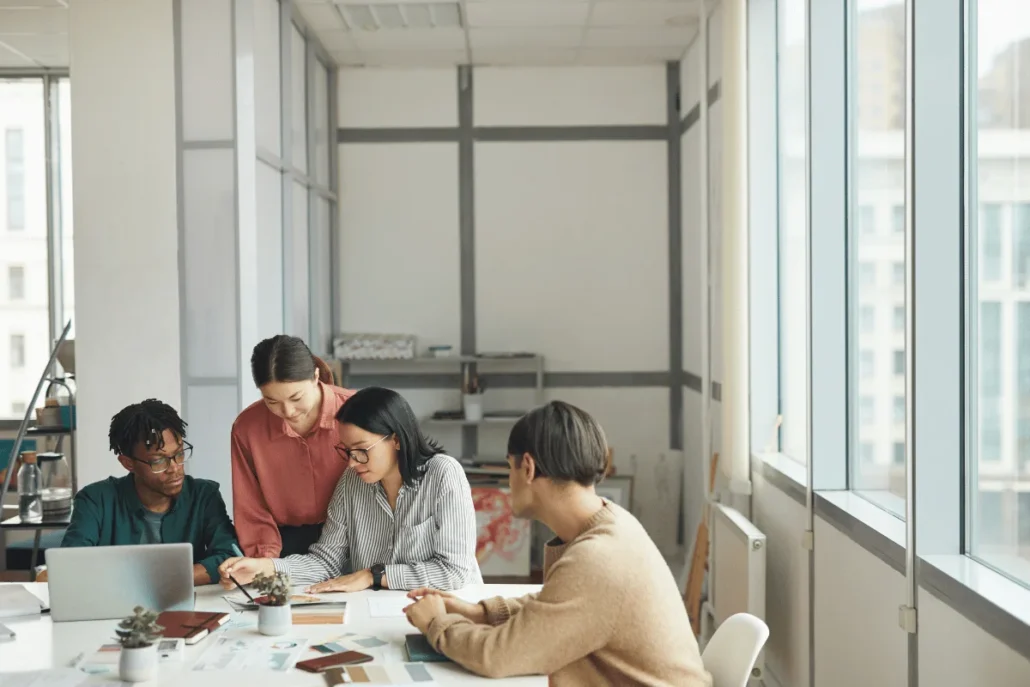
(106, 582)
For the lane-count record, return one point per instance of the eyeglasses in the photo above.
(162, 464)
(358, 455)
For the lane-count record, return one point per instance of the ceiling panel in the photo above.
(628, 56)
(521, 14)
(336, 41)
(322, 16)
(410, 40)
(635, 37)
(514, 56)
(46, 51)
(654, 13)
(421, 58)
(11, 58)
(34, 3)
(33, 20)
(525, 39)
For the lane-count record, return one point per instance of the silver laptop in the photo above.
(106, 582)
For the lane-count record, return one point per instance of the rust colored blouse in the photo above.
(280, 477)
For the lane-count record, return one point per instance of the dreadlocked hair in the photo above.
(144, 422)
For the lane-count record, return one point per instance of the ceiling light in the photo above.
(400, 15)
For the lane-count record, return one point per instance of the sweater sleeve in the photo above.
(259, 536)
(499, 610)
(573, 615)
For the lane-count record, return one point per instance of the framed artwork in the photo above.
(503, 544)
(617, 489)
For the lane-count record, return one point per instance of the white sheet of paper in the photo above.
(59, 677)
(387, 606)
(16, 601)
(243, 651)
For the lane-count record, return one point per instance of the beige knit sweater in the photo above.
(609, 613)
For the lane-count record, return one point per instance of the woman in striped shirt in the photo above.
(401, 516)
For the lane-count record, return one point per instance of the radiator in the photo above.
(736, 578)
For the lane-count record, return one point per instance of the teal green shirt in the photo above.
(109, 513)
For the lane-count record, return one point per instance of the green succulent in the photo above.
(139, 630)
(276, 587)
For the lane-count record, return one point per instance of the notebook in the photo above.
(420, 650)
(191, 626)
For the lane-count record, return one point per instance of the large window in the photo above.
(1000, 290)
(792, 230)
(877, 94)
(30, 247)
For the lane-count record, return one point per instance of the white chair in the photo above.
(732, 651)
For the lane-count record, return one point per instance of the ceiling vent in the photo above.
(401, 15)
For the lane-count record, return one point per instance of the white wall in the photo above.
(571, 243)
(126, 269)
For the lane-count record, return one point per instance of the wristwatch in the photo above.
(378, 570)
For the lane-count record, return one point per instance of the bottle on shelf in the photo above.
(30, 500)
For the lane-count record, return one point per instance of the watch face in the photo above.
(378, 569)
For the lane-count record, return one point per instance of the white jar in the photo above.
(138, 664)
(473, 404)
(274, 620)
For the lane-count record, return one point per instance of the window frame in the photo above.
(51, 80)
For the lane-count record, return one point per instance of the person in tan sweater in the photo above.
(609, 611)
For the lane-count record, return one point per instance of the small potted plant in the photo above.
(274, 604)
(138, 635)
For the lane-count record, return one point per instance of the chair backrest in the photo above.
(732, 651)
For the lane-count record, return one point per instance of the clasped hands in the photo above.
(433, 603)
(244, 570)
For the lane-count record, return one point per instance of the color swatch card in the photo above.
(247, 652)
(327, 614)
(385, 674)
(381, 650)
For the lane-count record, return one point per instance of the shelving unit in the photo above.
(484, 365)
(60, 434)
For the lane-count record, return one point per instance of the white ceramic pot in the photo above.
(274, 620)
(473, 404)
(138, 665)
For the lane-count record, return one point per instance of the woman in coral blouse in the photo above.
(284, 464)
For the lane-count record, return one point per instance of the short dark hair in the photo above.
(144, 423)
(282, 358)
(384, 411)
(566, 442)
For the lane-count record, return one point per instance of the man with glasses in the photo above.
(157, 502)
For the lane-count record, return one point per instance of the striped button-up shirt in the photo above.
(429, 540)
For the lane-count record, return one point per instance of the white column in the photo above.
(125, 210)
(735, 394)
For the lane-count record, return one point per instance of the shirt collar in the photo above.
(326, 415)
(127, 491)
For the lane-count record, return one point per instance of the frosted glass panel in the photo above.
(297, 319)
(298, 53)
(210, 235)
(321, 279)
(270, 251)
(207, 62)
(267, 75)
(321, 114)
(210, 412)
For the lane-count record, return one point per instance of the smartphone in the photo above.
(322, 663)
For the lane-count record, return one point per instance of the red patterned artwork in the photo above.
(502, 545)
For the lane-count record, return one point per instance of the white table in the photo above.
(42, 643)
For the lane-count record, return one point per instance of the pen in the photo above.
(236, 550)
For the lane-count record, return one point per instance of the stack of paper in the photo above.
(15, 601)
(321, 614)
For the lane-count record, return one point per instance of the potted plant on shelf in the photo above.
(274, 604)
(138, 635)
